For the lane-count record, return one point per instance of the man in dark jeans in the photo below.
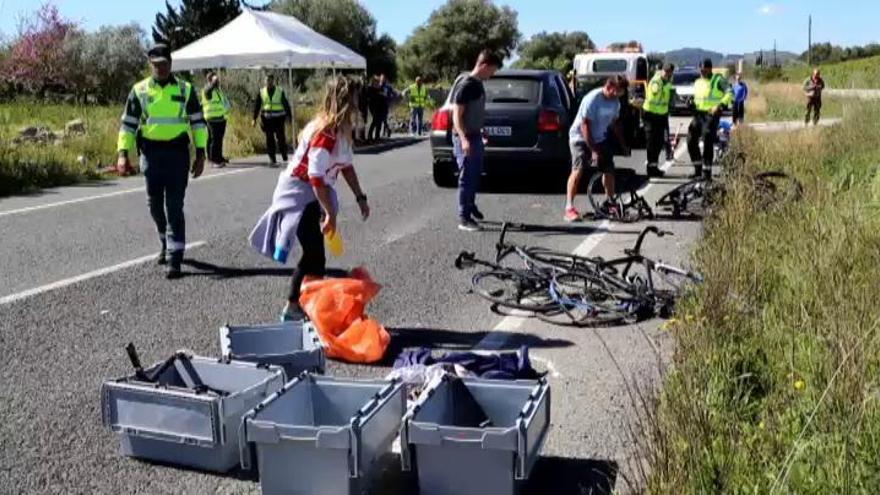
(378, 106)
(273, 108)
(813, 88)
(468, 115)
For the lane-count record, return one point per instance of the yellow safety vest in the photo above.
(708, 95)
(418, 96)
(272, 107)
(217, 107)
(657, 95)
(163, 114)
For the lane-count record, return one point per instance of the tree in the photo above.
(349, 23)
(35, 61)
(453, 37)
(553, 50)
(193, 20)
(105, 64)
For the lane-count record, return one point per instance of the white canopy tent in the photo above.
(255, 40)
(258, 40)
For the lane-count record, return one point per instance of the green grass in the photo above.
(774, 386)
(860, 74)
(31, 167)
(777, 101)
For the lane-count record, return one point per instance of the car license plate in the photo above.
(505, 131)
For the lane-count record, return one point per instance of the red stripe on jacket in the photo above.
(321, 140)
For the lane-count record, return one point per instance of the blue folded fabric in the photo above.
(497, 366)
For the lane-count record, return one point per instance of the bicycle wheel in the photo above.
(603, 207)
(586, 300)
(680, 200)
(517, 289)
(775, 188)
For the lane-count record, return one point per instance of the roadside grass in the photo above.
(774, 384)
(779, 101)
(28, 167)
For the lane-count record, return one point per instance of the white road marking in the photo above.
(85, 276)
(115, 193)
(499, 336)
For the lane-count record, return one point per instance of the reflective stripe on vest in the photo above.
(707, 94)
(657, 95)
(272, 107)
(217, 106)
(163, 118)
(418, 97)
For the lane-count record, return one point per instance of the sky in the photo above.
(724, 26)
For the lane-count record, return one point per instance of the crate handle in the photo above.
(354, 455)
(405, 454)
(245, 451)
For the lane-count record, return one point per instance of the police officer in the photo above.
(658, 94)
(216, 107)
(418, 99)
(711, 93)
(273, 109)
(159, 114)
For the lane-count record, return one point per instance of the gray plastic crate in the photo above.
(445, 433)
(169, 422)
(293, 345)
(320, 435)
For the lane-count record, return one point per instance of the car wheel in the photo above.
(445, 174)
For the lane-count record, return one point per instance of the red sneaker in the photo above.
(572, 215)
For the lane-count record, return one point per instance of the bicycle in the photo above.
(567, 289)
(626, 207)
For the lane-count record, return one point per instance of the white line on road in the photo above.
(499, 336)
(114, 193)
(85, 276)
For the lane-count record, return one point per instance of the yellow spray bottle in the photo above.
(334, 243)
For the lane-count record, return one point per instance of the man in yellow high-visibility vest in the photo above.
(160, 113)
(273, 109)
(216, 107)
(712, 93)
(417, 94)
(658, 95)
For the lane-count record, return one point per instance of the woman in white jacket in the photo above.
(304, 204)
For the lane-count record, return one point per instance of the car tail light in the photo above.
(549, 121)
(441, 121)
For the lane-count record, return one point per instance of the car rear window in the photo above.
(610, 65)
(512, 90)
(680, 79)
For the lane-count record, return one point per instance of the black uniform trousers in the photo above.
(166, 170)
(273, 128)
(703, 126)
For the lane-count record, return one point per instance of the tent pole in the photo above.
(292, 105)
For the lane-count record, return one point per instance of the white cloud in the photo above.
(768, 9)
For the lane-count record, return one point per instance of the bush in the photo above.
(105, 64)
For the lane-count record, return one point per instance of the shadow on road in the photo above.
(548, 230)
(565, 476)
(206, 269)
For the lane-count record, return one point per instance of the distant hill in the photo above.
(693, 57)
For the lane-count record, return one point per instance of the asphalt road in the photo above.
(75, 289)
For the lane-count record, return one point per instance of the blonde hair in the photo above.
(339, 109)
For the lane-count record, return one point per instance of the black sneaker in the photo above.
(477, 214)
(161, 259)
(468, 225)
(655, 172)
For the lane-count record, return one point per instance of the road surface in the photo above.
(78, 284)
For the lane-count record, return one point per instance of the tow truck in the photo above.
(591, 69)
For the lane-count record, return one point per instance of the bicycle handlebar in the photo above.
(650, 229)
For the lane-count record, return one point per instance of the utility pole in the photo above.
(810, 41)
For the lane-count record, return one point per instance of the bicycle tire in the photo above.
(517, 289)
(586, 300)
(680, 199)
(597, 197)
